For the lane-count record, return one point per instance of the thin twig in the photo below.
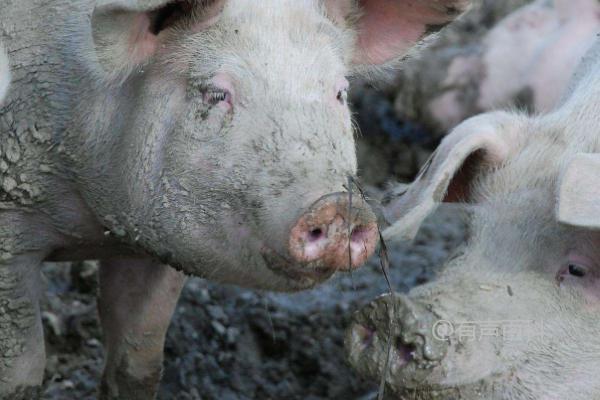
(385, 269)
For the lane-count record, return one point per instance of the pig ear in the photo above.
(579, 192)
(481, 142)
(387, 29)
(128, 33)
(4, 73)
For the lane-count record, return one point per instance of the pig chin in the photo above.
(301, 276)
(240, 257)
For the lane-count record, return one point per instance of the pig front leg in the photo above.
(22, 352)
(137, 299)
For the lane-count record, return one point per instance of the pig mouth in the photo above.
(378, 346)
(391, 337)
(373, 353)
(405, 368)
(310, 274)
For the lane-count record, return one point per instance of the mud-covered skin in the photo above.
(410, 324)
(22, 355)
(135, 303)
(126, 386)
(518, 305)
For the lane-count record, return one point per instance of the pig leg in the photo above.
(137, 300)
(22, 352)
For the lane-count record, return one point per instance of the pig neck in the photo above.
(37, 193)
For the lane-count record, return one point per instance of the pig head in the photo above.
(514, 313)
(217, 135)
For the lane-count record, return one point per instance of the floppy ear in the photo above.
(579, 192)
(4, 73)
(478, 143)
(128, 33)
(387, 29)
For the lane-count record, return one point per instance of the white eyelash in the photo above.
(213, 97)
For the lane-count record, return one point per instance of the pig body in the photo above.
(525, 60)
(213, 136)
(514, 314)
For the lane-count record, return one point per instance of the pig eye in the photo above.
(577, 270)
(215, 96)
(342, 96)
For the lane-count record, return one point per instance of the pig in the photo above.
(170, 138)
(525, 60)
(4, 73)
(514, 313)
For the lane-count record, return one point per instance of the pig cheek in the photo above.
(591, 293)
(588, 292)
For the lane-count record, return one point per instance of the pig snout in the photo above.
(336, 233)
(395, 336)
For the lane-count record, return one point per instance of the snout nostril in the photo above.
(359, 234)
(365, 335)
(326, 236)
(405, 351)
(315, 235)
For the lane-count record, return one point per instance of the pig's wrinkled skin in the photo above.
(529, 284)
(526, 60)
(213, 136)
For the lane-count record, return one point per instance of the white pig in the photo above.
(514, 315)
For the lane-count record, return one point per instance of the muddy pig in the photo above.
(211, 136)
(514, 314)
(525, 60)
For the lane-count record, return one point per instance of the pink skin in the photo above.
(143, 44)
(326, 232)
(223, 82)
(390, 27)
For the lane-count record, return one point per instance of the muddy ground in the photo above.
(228, 343)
